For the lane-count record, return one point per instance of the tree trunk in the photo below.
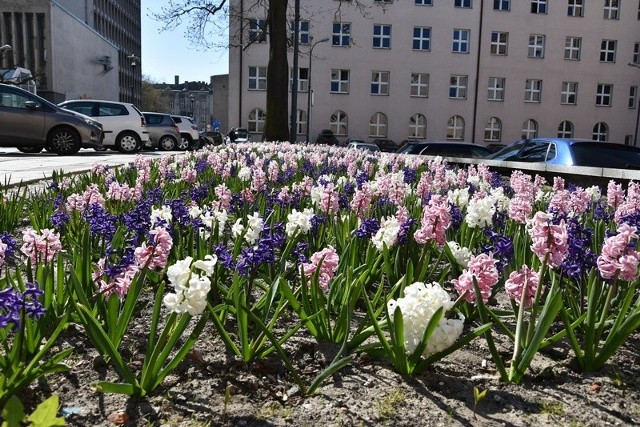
(276, 126)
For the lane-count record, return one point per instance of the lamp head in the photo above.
(5, 47)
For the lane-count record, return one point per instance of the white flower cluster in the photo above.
(460, 253)
(244, 173)
(419, 304)
(480, 212)
(459, 197)
(191, 289)
(299, 222)
(255, 225)
(163, 213)
(387, 234)
(209, 220)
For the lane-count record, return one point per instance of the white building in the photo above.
(484, 71)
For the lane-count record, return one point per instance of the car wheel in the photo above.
(184, 143)
(100, 148)
(128, 142)
(63, 141)
(30, 150)
(167, 143)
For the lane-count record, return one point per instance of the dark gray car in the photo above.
(445, 149)
(163, 131)
(32, 124)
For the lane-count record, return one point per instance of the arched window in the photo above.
(530, 129)
(565, 130)
(418, 126)
(455, 128)
(493, 130)
(256, 120)
(601, 132)
(301, 120)
(378, 125)
(339, 123)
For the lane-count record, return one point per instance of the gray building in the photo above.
(487, 72)
(192, 99)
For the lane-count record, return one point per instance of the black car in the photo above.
(386, 145)
(445, 149)
(327, 137)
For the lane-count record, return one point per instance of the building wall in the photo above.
(400, 60)
(220, 89)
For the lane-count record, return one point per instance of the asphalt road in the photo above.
(17, 167)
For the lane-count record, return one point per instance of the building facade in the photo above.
(192, 99)
(482, 71)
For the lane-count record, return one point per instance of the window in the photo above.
(575, 8)
(603, 95)
(418, 126)
(536, 46)
(455, 128)
(462, 3)
(424, 2)
(530, 129)
(636, 54)
(499, 41)
(303, 31)
(339, 123)
(301, 122)
(608, 51)
(569, 93)
(539, 6)
(600, 132)
(257, 30)
(461, 41)
(420, 84)
(381, 36)
(339, 81)
(303, 79)
(572, 48)
(501, 5)
(628, 139)
(493, 130)
(565, 130)
(533, 90)
(496, 89)
(611, 9)
(257, 78)
(378, 125)
(458, 87)
(256, 120)
(341, 34)
(380, 83)
(421, 38)
(633, 95)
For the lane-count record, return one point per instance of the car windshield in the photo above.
(242, 133)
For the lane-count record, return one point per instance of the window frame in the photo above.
(417, 126)
(495, 92)
(600, 132)
(337, 121)
(499, 47)
(341, 34)
(303, 34)
(539, 7)
(257, 30)
(380, 80)
(421, 39)
(536, 46)
(604, 95)
(562, 129)
(494, 129)
(575, 8)
(533, 91)
(419, 85)
(463, 4)
(608, 51)
(255, 123)
(423, 2)
(260, 78)
(455, 128)
(569, 90)
(575, 52)
(461, 42)
(611, 10)
(343, 84)
(458, 83)
(499, 5)
(633, 97)
(381, 40)
(381, 122)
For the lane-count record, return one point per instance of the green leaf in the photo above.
(13, 413)
(45, 414)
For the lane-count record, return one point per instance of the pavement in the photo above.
(17, 167)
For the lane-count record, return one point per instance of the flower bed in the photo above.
(403, 260)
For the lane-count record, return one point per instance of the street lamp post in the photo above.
(309, 91)
(191, 98)
(133, 61)
(635, 133)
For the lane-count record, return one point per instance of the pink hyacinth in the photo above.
(157, 253)
(615, 194)
(436, 219)
(524, 281)
(43, 246)
(617, 257)
(361, 202)
(3, 250)
(326, 261)
(549, 241)
(329, 200)
(483, 268)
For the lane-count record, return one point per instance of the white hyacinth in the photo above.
(459, 197)
(419, 304)
(163, 213)
(255, 225)
(299, 222)
(480, 212)
(387, 234)
(460, 253)
(244, 173)
(191, 289)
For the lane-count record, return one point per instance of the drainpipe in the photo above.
(477, 80)
(241, 71)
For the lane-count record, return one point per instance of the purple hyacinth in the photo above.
(368, 228)
(299, 252)
(580, 259)
(12, 302)
(501, 247)
(101, 222)
(8, 240)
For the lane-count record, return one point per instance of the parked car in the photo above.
(571, 152)
(445, 149)
(211, 138)
(163, 132)
(362, 145)
(241, 135)
(32, 123)
(327, 137)
(123, 124)
(190, 137)
(385, 144)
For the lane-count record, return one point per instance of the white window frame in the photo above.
(303, 31)
(303, 79)
(600, 132)
(424, 2)
(608, 51)
(341, 78)
(459, 84)
(565, 129)
(420, 85)
(380, 83)
(455, 128)
(604, 95)
(530, 129)
(502, 5)
(575, 8)
(499, 43)
(461, 42)
(381, 40)
(633, 97)
(572, 48)
(418, 126)
(533, 90)
(539, 7)
(493, 130)
(339, 123)
(421, 39)
(257, 78)
(464, 4)
(256, 30)
(301, 122)
(611, 9)
(255, 122)
(378, 125)
(635, 59)
(536, 45)
(495, 89)
(341, 37)
(569, 93)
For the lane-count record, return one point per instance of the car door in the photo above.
(114, 119)
(22, 119)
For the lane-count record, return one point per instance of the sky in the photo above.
(168, 53)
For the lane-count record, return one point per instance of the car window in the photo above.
(537, 151)
(153, 119)
(509, 153)
(15, 100)
(112, 110)
(606, 155)
(412, 149)
(177, 119)
(80, 107)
